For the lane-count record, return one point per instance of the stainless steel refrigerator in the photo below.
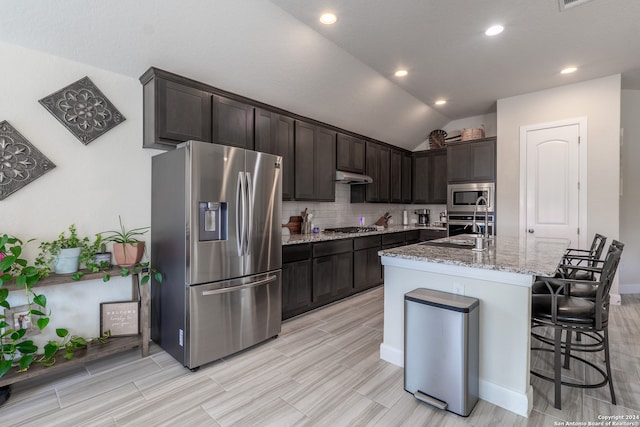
(216, 238)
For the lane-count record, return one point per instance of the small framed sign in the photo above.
(121, 318)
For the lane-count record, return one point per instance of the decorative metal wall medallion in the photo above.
(20, 161)
(83, 109)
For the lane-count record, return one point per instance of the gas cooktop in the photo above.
(351, 229)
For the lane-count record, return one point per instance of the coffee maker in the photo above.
(423, 216)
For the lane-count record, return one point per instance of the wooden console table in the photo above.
(95, 350)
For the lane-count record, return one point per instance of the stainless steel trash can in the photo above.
(441, 349)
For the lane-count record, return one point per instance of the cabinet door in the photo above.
(373, 165)
(296, 287)
(304, 161)
(458, 159)
(350, 154)
(420, 178)
(367, 271)
(483, 161)
(325, 164)
(395, 184)
(182, 112)
(383, 174)
(343, 274)
(232, 122)
(274, 134)
(407, 170)
(438, 176)
(322, 278)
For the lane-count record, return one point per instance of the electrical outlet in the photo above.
(458, 288)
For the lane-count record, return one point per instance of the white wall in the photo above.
(630, 194)
(90, 186)
(599, 101)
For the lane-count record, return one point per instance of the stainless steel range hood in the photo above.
(352, 178)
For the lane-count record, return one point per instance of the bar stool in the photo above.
(559, 310)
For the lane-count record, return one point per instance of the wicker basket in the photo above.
(473, 133)
(436, 138)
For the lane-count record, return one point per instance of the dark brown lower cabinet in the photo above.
(332, 270)
(296, 280)
(367, 268)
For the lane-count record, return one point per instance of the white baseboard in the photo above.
(629, 288)
(510, 400)
(615, 299)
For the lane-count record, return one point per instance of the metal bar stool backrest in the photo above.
(606, 280)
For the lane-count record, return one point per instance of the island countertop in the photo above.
(532, 256)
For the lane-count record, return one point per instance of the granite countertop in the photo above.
(294, 239)
(535, 256)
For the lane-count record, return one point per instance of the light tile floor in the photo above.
(323, 370)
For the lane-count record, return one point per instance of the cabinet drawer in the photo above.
(412, 236)
(293, 253)
(366, 242)
(392, 239)
(333, 247)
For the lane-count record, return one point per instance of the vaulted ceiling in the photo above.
(277, 52)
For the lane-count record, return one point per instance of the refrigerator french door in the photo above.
(215, 236)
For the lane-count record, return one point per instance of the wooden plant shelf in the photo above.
(95, 350)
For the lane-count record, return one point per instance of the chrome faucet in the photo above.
(474, 227)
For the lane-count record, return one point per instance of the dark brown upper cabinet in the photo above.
(232, 122)
(430, 176)
(315, 162)
(377, 166)
(472, 161)
(174, 112)
(395, 176)
(407, 176)
(274, 134)
(350, 154)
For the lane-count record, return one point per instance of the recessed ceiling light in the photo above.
(494, 30)
(569, 70)
(328, 18)
(441, 102)
(401, 73)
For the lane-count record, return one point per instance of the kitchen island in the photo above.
(501, 278)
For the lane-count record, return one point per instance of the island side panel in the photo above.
(504, 328)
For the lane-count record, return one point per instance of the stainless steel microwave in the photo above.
(463, 197)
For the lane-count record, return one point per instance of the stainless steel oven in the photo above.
(462, 197)
(461, 223)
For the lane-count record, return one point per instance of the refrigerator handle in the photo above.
(247, 247)
(239, 216)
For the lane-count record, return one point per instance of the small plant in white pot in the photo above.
(63, 254)
(127, 249)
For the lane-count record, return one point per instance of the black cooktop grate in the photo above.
(351, 229)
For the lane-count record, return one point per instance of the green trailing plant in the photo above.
(50, 250)
(15, 349)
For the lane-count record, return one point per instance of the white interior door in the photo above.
(552, 195)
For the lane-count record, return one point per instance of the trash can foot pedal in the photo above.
(430, 400)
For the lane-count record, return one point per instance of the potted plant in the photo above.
(63, 253)
(127, 249)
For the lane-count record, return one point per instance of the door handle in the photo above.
(530, 230)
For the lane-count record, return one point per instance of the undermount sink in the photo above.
(458, 245)
(455, 243)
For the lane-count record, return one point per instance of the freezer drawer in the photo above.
(229, 316)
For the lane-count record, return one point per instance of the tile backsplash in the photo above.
(342, 212)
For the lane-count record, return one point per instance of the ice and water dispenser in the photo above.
(213, 221)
